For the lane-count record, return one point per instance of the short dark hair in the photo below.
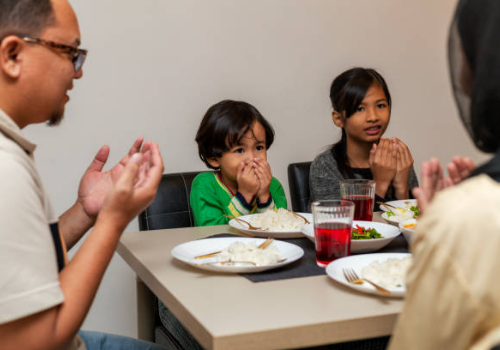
(223, 126)
(25, 17)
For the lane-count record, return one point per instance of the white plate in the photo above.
(357, 263)
(407, 232)
(403, 203)
(363, 245)
(395, 219)
(262, 233)
(186, 252)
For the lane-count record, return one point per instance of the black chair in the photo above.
(170, 209)
(298, 181)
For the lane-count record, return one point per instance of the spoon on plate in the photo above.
(300, 216)
(250, 226)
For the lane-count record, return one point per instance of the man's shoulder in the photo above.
(14, 159)
(10, 147)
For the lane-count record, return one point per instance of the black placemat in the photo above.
(306, 266)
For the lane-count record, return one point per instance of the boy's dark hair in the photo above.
(25, 17)
(346, 93)
(223, 126)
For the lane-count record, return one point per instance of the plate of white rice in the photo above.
(386, 269)
(237, 254)
(276, 224)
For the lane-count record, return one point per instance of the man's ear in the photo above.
(214, 162)
(338, 119)
(11, 56)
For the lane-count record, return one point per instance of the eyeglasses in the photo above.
(77, 55)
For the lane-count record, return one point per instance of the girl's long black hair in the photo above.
(346, 93)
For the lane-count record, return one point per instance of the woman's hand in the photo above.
(248, 182)
(434, 181)
(263, 172)
(403, 167)
(459, 169)
(383, 164)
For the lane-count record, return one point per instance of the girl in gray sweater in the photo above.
(361, 108)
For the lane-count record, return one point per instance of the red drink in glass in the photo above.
(364, 206)
(333, 241)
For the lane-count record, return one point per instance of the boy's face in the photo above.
(252, 145)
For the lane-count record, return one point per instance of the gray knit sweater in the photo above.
(325, 176)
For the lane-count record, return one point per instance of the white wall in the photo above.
(155, 66)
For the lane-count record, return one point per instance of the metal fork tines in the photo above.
(352, 277)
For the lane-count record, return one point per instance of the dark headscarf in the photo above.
(474, 57)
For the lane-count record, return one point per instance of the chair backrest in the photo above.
(298, 182)
(171, 207)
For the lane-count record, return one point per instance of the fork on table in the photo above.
(352, 277)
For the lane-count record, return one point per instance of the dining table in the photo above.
(243, 311)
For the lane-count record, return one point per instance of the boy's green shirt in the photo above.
(210, 200)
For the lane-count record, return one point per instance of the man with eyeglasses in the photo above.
(44, 298)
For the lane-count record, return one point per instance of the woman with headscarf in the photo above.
(453, 286)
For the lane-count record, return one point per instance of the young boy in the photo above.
(233, 139)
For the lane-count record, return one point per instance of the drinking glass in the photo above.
(362, 193)
(332, 229)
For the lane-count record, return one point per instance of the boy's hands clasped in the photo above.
(263, 171)
(391, 162)
(254, 179)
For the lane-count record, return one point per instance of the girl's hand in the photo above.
(403, 168)
(248, 182)
(263, 172)
(383, 164)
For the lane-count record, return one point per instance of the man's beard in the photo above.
(55, 119)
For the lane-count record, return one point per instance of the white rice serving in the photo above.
(241, 252)
(281, 220)
(399, 215)
(390, 273)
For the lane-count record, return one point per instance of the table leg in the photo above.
(145, 312)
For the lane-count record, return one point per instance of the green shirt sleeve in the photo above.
(206, 202)
(278, 194)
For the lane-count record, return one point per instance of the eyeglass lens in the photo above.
(78, 61)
